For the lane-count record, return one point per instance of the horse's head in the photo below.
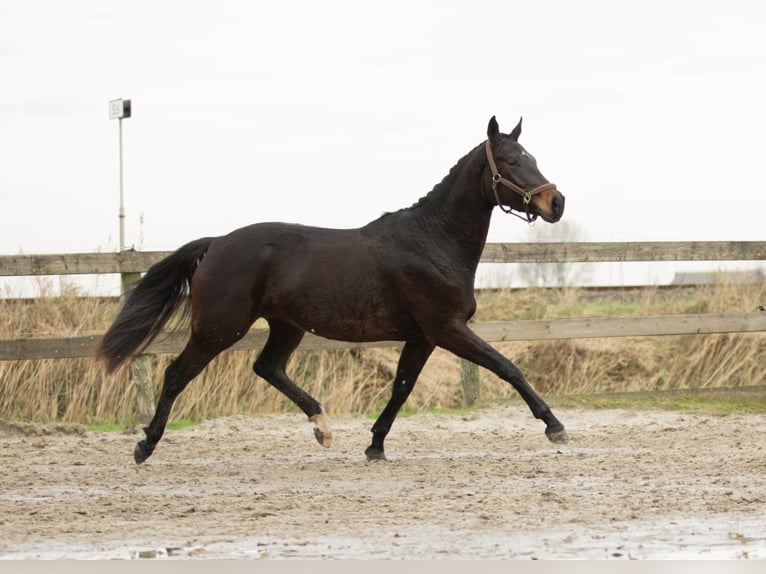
(515, 181)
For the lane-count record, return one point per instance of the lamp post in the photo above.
(119, 109)
(140, 369)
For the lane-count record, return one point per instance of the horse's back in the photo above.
(333, 282)
(285, 248)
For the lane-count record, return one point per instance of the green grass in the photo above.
(436, 410)
(745, 400)
(114, 427)
(182, 424)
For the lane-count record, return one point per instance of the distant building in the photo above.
(712, 277)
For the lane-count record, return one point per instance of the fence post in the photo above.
(469, 381)
(140, 370)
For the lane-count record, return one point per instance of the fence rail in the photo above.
(492, 331)
(576, 252)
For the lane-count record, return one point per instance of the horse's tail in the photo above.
(150, 304)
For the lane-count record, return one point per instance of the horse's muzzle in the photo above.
(556, 208)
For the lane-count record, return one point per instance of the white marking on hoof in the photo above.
(322, 432)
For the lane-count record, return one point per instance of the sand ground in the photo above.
(480, 485)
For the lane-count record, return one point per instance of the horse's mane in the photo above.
(437, 190)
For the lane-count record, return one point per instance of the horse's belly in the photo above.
(357, 329)
(344, 316)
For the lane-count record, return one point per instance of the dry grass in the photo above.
(358, 381)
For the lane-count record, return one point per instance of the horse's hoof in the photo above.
(141, 453)
(558, 437)
(375, 454)
(322, 431)
(325, 439)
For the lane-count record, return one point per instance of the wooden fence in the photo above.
(135, 262)
(81, 345)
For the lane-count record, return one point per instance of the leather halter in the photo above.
(526, 195)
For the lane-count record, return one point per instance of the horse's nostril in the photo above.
(557, 204)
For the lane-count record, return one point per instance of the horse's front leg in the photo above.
(411, 361)
(466, 344)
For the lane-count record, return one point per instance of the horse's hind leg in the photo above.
(178, 374)
(271, 363)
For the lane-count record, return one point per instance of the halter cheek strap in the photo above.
(526, 195)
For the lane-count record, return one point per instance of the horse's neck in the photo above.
(456, 212)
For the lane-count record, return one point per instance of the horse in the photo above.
(407, 276)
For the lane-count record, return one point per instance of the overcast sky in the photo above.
(650, 116)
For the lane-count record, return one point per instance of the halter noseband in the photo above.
(526, 195)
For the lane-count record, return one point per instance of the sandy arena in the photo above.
(482, 485)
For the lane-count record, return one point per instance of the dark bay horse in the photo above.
(407, 276)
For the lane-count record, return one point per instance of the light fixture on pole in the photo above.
(119, 109)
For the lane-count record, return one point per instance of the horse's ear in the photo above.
(493, 130)
(517, 130)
